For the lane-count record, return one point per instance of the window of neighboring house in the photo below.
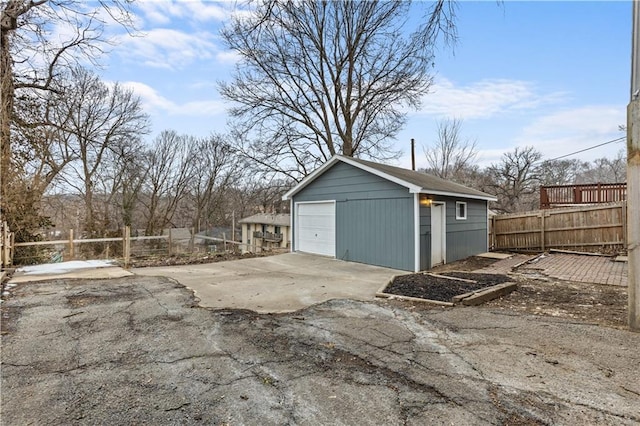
(277, 230)
(461, 210)
(264, 228)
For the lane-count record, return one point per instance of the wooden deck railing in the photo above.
(596, 193)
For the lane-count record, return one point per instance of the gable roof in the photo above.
(268, 219)
(416, 182)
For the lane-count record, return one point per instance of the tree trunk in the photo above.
(6, 106)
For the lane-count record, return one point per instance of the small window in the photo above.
(277, 230)
(461, 210)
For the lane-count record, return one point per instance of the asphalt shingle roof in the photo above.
(426, 181)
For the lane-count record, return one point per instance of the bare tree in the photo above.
(451, 156)
(318, 78)
(169, 174)
(561, 172)
(120, 181)
(515, 180)
(215, 169)
(31, 63)
(606, 170)
(102, 122)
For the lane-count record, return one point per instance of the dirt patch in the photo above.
(540, 295)
(427, 286)
(472, 263)
(193, 259)
(590, 303)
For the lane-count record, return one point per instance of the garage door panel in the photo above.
(316, 228)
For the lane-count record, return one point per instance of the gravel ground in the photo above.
(139, 350)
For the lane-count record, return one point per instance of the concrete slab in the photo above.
(621, 259)
(77, 269)
(280, 283)
(495, 255)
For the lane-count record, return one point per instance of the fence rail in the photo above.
(125, 247)
(601, 228)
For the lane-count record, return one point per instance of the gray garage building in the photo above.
(377, 214)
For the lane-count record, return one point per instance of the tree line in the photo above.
(313, 79)
(516, 178)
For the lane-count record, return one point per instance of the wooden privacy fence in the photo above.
(598, 228)
(67, 249)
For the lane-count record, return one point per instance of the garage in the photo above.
(316, 227)
(361, 211)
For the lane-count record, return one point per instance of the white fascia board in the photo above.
(414, 189)
(310, 178)
(458, 195)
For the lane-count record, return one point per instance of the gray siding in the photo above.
(464, 237)
(374, 217)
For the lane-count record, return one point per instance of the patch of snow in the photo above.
(64, 267)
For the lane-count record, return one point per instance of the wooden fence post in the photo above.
(192, 240)
(72, 253)
(224, 242)
(11, 248)
(542, 225)
(494, 243)
(126, 245)
(6, 246)
(623, 206)
(170, 241)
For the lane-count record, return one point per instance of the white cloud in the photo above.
(207, 11)
(168, 48)
(163, 12)
(156, 104)
(227, 57)
(485, 98)
(567, 131)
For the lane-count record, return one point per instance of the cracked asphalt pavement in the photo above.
(139, 350)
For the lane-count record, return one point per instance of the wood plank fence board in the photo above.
(599, 227)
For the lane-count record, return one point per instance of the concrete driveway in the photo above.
(281, 283)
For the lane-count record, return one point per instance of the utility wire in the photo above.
(587, 149)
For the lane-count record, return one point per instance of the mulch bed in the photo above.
(442, 289)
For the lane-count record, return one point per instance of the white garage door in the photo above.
(316, 228)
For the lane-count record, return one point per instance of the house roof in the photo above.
(268, 219)
(416, 182)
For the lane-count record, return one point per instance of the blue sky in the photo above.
(554, 75)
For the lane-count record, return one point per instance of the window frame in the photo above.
(458, 215)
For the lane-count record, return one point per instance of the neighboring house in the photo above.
(372, 213)
(265, 231)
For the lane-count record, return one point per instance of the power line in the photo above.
(590, 148)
